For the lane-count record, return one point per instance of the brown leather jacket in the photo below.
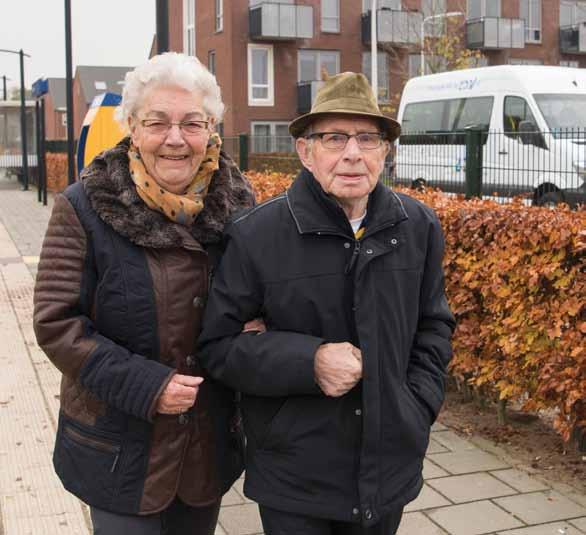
(118, 308)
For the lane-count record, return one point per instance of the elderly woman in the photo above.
(145, 437)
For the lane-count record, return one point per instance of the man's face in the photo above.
(347, 174)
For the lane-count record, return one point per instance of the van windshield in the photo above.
(564, 114)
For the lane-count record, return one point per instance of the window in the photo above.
(433, 64)
(312, 64)
(219, 15)
(381, 4)
(570, 63)
(382, 65)
(189, 27)
(212, 61)
(330, 15)
(260, 75)
(100, 86)
(434, 27)
(572, 12)
(531, 12)
(519, 61)
(64, 119)
(271, 137)
(517, 110)
(443, 117)
(484, 8)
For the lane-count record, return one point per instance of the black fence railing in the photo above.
(544, 166)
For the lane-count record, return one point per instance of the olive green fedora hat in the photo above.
(348, 93)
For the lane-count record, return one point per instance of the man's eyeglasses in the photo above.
(159, 127)
(338, 140)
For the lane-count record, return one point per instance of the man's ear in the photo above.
(303, 147)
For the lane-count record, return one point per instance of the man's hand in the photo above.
(179, 395)
(338, 367)
(256, 325)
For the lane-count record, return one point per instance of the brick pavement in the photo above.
(471, 488)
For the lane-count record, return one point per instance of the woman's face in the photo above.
(171, 153)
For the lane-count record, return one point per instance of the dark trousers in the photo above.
(281, 523)
(177, 519)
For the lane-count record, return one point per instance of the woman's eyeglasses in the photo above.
(159, 127)
(339, 140)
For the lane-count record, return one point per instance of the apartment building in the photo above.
(269, 55)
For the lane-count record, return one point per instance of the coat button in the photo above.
(190, 360)
(358, 412)
(369, 251)
(347, 245)
(183, 418)
(198, 302)
(355, 511)
(394, 241)
(368, 514)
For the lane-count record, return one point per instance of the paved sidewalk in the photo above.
(471, 488)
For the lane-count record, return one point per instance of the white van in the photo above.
(534, 130)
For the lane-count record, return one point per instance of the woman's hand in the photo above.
(179, 395)
(256, 325)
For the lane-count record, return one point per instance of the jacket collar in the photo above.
(113, 196)
(314, 211)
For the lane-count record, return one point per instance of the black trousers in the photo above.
(281, 523)
(177, 519)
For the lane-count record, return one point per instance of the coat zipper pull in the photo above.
(115, 463)
(353, 258)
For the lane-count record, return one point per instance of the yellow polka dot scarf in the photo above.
(182, 209)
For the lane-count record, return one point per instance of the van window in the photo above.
(516, 110)
(443, 119)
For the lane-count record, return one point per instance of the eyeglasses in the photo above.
(339, 140)
(159, 127)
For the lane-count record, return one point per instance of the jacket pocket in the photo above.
(417, 419)
(264, 421)
(87, 461)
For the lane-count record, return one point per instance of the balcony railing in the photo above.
(270, 21)
(306, 92)
(573, 39)
(400, 28)
(495, 33)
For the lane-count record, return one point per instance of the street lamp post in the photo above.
(373, 50)
(21, 54)
(69, 95)
(431, 17)
(4, 78)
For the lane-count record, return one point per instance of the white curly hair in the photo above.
(169, 69)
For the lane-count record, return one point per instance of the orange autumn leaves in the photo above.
(516, 281)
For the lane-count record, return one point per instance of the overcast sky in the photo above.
(104, 32)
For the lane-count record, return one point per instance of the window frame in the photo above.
(218, 15)
(212, 61)
(336, 3)
(385, 56)
(270, 99)
(529, 25)
(319, 53)
(483, 4)
(189, 40)
(397, 5)
(272, 135)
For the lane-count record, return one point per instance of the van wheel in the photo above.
(549, 199)
(419, 184)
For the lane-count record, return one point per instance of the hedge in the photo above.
(516, 282)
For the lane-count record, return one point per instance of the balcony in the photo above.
(306, 92)
(494, 33)
(573, 39)
(394, 27)
(271, 22)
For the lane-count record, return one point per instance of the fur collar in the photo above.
(113, 196)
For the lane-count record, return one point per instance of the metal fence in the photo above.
(544, 166)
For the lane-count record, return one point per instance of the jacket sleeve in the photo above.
(274, 363)
(431, 351)
(65, 332)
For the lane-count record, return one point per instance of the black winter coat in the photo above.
(295, 262)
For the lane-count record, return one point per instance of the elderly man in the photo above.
(338, 395)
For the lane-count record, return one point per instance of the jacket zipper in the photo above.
(353, 258)
(96, 444)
